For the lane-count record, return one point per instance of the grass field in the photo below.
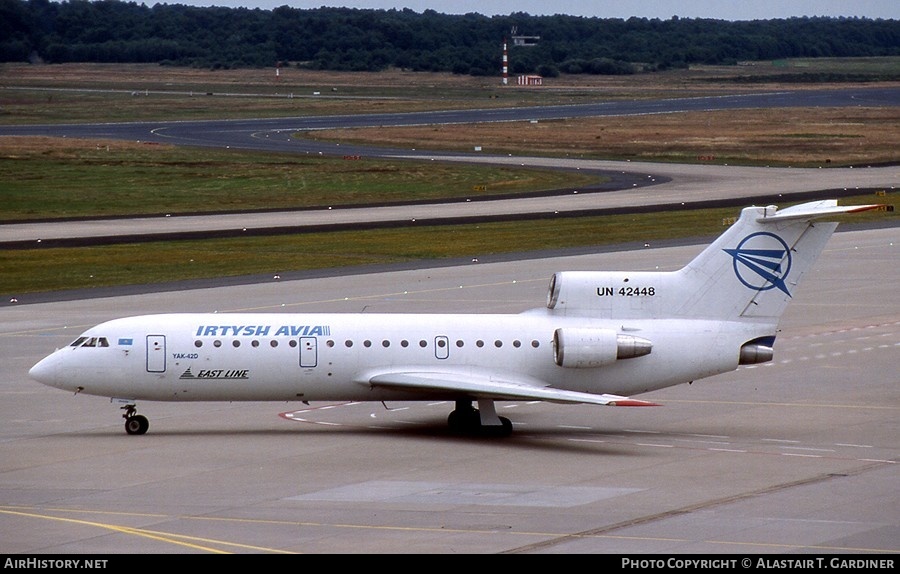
(799, 137)
(48, 177)
(102, 266)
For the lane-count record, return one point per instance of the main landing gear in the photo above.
(483, 421)
(134, 423)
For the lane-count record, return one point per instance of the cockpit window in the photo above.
(90, 342)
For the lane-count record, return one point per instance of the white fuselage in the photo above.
(258, 357)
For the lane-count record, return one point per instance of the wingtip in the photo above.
(633, 403)
(874, 207)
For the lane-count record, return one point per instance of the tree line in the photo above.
(345, 39)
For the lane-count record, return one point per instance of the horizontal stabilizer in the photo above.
(484, 387)
(816, 210)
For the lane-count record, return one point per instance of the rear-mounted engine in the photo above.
(586, 348)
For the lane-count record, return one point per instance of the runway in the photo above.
(795, 456)
(633, 183)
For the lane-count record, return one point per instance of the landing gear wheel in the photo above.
(504, 429)
(506, 426)
(466, 419)
(137, 424)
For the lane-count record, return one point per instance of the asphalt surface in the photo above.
(797, 456)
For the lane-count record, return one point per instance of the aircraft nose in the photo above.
(45, 371)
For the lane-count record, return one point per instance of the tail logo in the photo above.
(762, 261)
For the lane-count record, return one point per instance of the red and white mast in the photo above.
(505, 64)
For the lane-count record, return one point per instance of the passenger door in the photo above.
(308, 352)
(156, 353)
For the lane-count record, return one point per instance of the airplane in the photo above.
(601, 337)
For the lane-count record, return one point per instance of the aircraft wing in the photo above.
(476, 386)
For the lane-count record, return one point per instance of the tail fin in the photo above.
(753, 269)
(750, 272)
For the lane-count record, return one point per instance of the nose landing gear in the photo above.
(134, 423)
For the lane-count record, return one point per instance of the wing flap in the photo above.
(489, 388)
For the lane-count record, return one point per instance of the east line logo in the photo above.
(262, 330)
(232, 374)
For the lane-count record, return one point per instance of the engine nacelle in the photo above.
(581, 348)
(754, 353)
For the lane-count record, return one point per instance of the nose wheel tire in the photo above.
(137, 424)
(134, 423)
